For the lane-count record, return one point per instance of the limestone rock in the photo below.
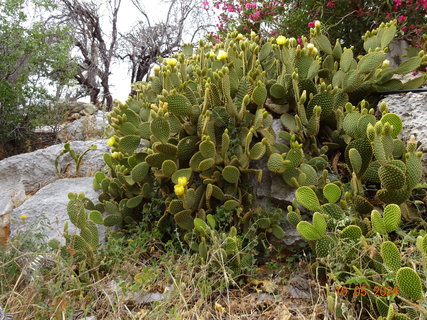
(36, 169)
(26, 173)
(84, 128)
(46, 211)
(411, 107)
(397, 49)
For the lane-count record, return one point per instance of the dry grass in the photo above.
(189, 289)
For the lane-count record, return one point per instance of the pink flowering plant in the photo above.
(343, 19)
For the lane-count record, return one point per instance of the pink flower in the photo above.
(331, 4)
(404, 28)
(311, 24)
(397, 3)
(401, 19)
(230, 8)
(300, 41)
(256, 15)
(205, 5)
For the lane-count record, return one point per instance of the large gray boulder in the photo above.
(36, 169)
(26, 173)
(411, 107)
(46, 211)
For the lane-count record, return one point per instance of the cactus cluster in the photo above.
(207, 116)
(195, 134)
(81, 248)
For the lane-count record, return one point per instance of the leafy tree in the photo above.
(34, 54)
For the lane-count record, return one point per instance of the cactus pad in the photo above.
(139, 172)
(391, 255)
(351, 232)
(391, 217)
(332, 192)
(128, 144)
(231, 174)
(307, 198)
(187, 147)
(307, 231)
(323, 246)
(184, 220)
(160, 129)
(409, 284)
(391, 177)
(394, 120)
(179, 105)
(393, 196)
(378, 222)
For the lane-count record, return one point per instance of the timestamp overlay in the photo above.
(378, 291)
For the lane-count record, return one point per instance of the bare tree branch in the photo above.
(97, 53)
(146, 42)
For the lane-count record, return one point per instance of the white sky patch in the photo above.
(156, 10)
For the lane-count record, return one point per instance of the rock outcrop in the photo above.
(412, 108)
(24, 174)
(46, 211)
(85, 128)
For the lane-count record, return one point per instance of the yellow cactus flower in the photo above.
(156, 68)
(310, 46)
(386, 63)
(115, 155)
(239, 36)
(317, 24)
(172, 62)
(281, 40)
(182, 181)
(179, 190)
(23, 217)
(222, 55)
(111, 141)
(212, 55)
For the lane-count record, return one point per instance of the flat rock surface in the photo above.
(46, 211)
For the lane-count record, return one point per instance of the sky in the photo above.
(128, 16)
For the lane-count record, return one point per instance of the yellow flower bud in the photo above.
(179, 190)
(281, 40)
(310, 46)
(317, 24)
(23, 217)
(222, 55)
(171, 62)
(182, 181)
(115, 155)
(212, 55)
(239, 36)
(111, 141)
(156, 68)
(386, 63)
